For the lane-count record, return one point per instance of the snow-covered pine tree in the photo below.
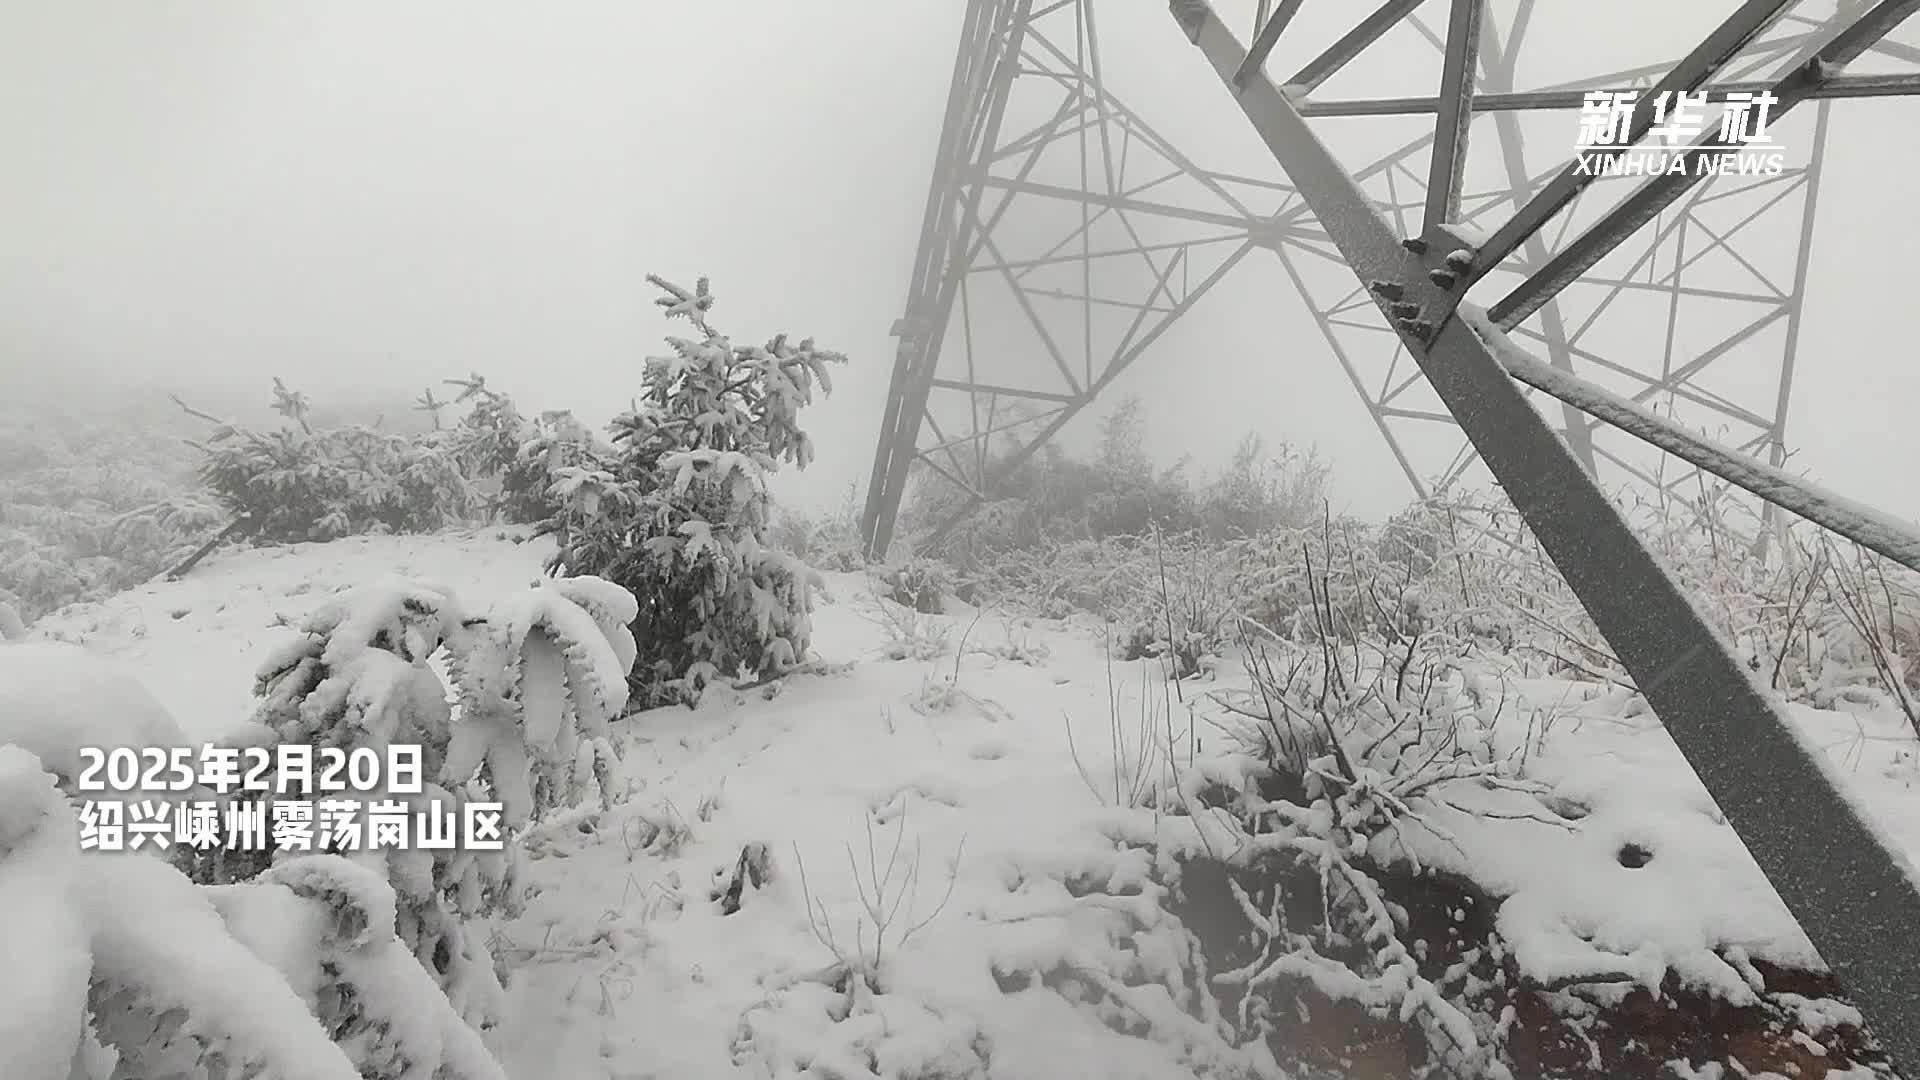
(679, 516)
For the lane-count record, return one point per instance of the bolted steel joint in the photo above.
(1460, 258)
(1420, 329)
(1415, 245)
(1442, 278)
(1405, 309)
(1387, 290)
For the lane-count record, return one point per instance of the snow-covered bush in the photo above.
(1365, 738)
(921, 585)
(558, 448)
(125, 968)
(679, 515)
(515, 458)
(300, 483)
(57, 698)
(830, 542)
(521, 718)
(95, 497)
(1049, 497)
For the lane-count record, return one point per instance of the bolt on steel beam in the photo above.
(1841, 877)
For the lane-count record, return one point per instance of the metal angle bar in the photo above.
(1033, 317)
(1266, 39)
(1370, 30)
(1666, 284)
(1721, 46)
(1117, 202)
(935, 239)
(953, 478)
(1720, 243)
(1151, 138)
(1840, 876)
(1161, 276)
(1897, 50)
(1681, 388)
(1398, 413)
(939, 433)
(992, 44)
(1114, 369)
(1513, 158)
(1648, 200)
(1848, 86)
(1097, 301)
(1723, 243)
(1862, 524)
(1777, 437)
(1447, 170)
(991, 431)
(1143, 249)
(971, 387)
(1797, 301)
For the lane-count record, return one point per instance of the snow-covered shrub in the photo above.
(516, 457)
(299, 483)
(558, 449)
(1050, 497)
(125, 968)
(1367, 738)
(534, 685)
(1262, 490)
(332, 938)
(830, 542)
(95, 497)
(124, 957)
(679, 515)
(921, 585)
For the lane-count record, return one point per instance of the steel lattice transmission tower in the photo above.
(1064, 235)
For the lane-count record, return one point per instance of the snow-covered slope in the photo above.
(980, 771)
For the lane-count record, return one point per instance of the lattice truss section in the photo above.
(1065, 235)
(1478, 270)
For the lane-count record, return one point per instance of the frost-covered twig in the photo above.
(888, 892)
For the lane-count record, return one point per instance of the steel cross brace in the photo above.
(1850, 888)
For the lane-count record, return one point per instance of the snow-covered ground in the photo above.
(975, 771)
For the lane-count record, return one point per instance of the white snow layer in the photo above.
(626, 967)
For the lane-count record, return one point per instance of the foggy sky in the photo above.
(383, 195)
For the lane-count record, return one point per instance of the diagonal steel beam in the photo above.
(1505, 60)
(1448, 168)
(987, 62)
(1651, 198)
(1870, 528)
(1849, 887)
(1738, 31)
(1846, 86)
(1352, 44)
(1269, 36)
